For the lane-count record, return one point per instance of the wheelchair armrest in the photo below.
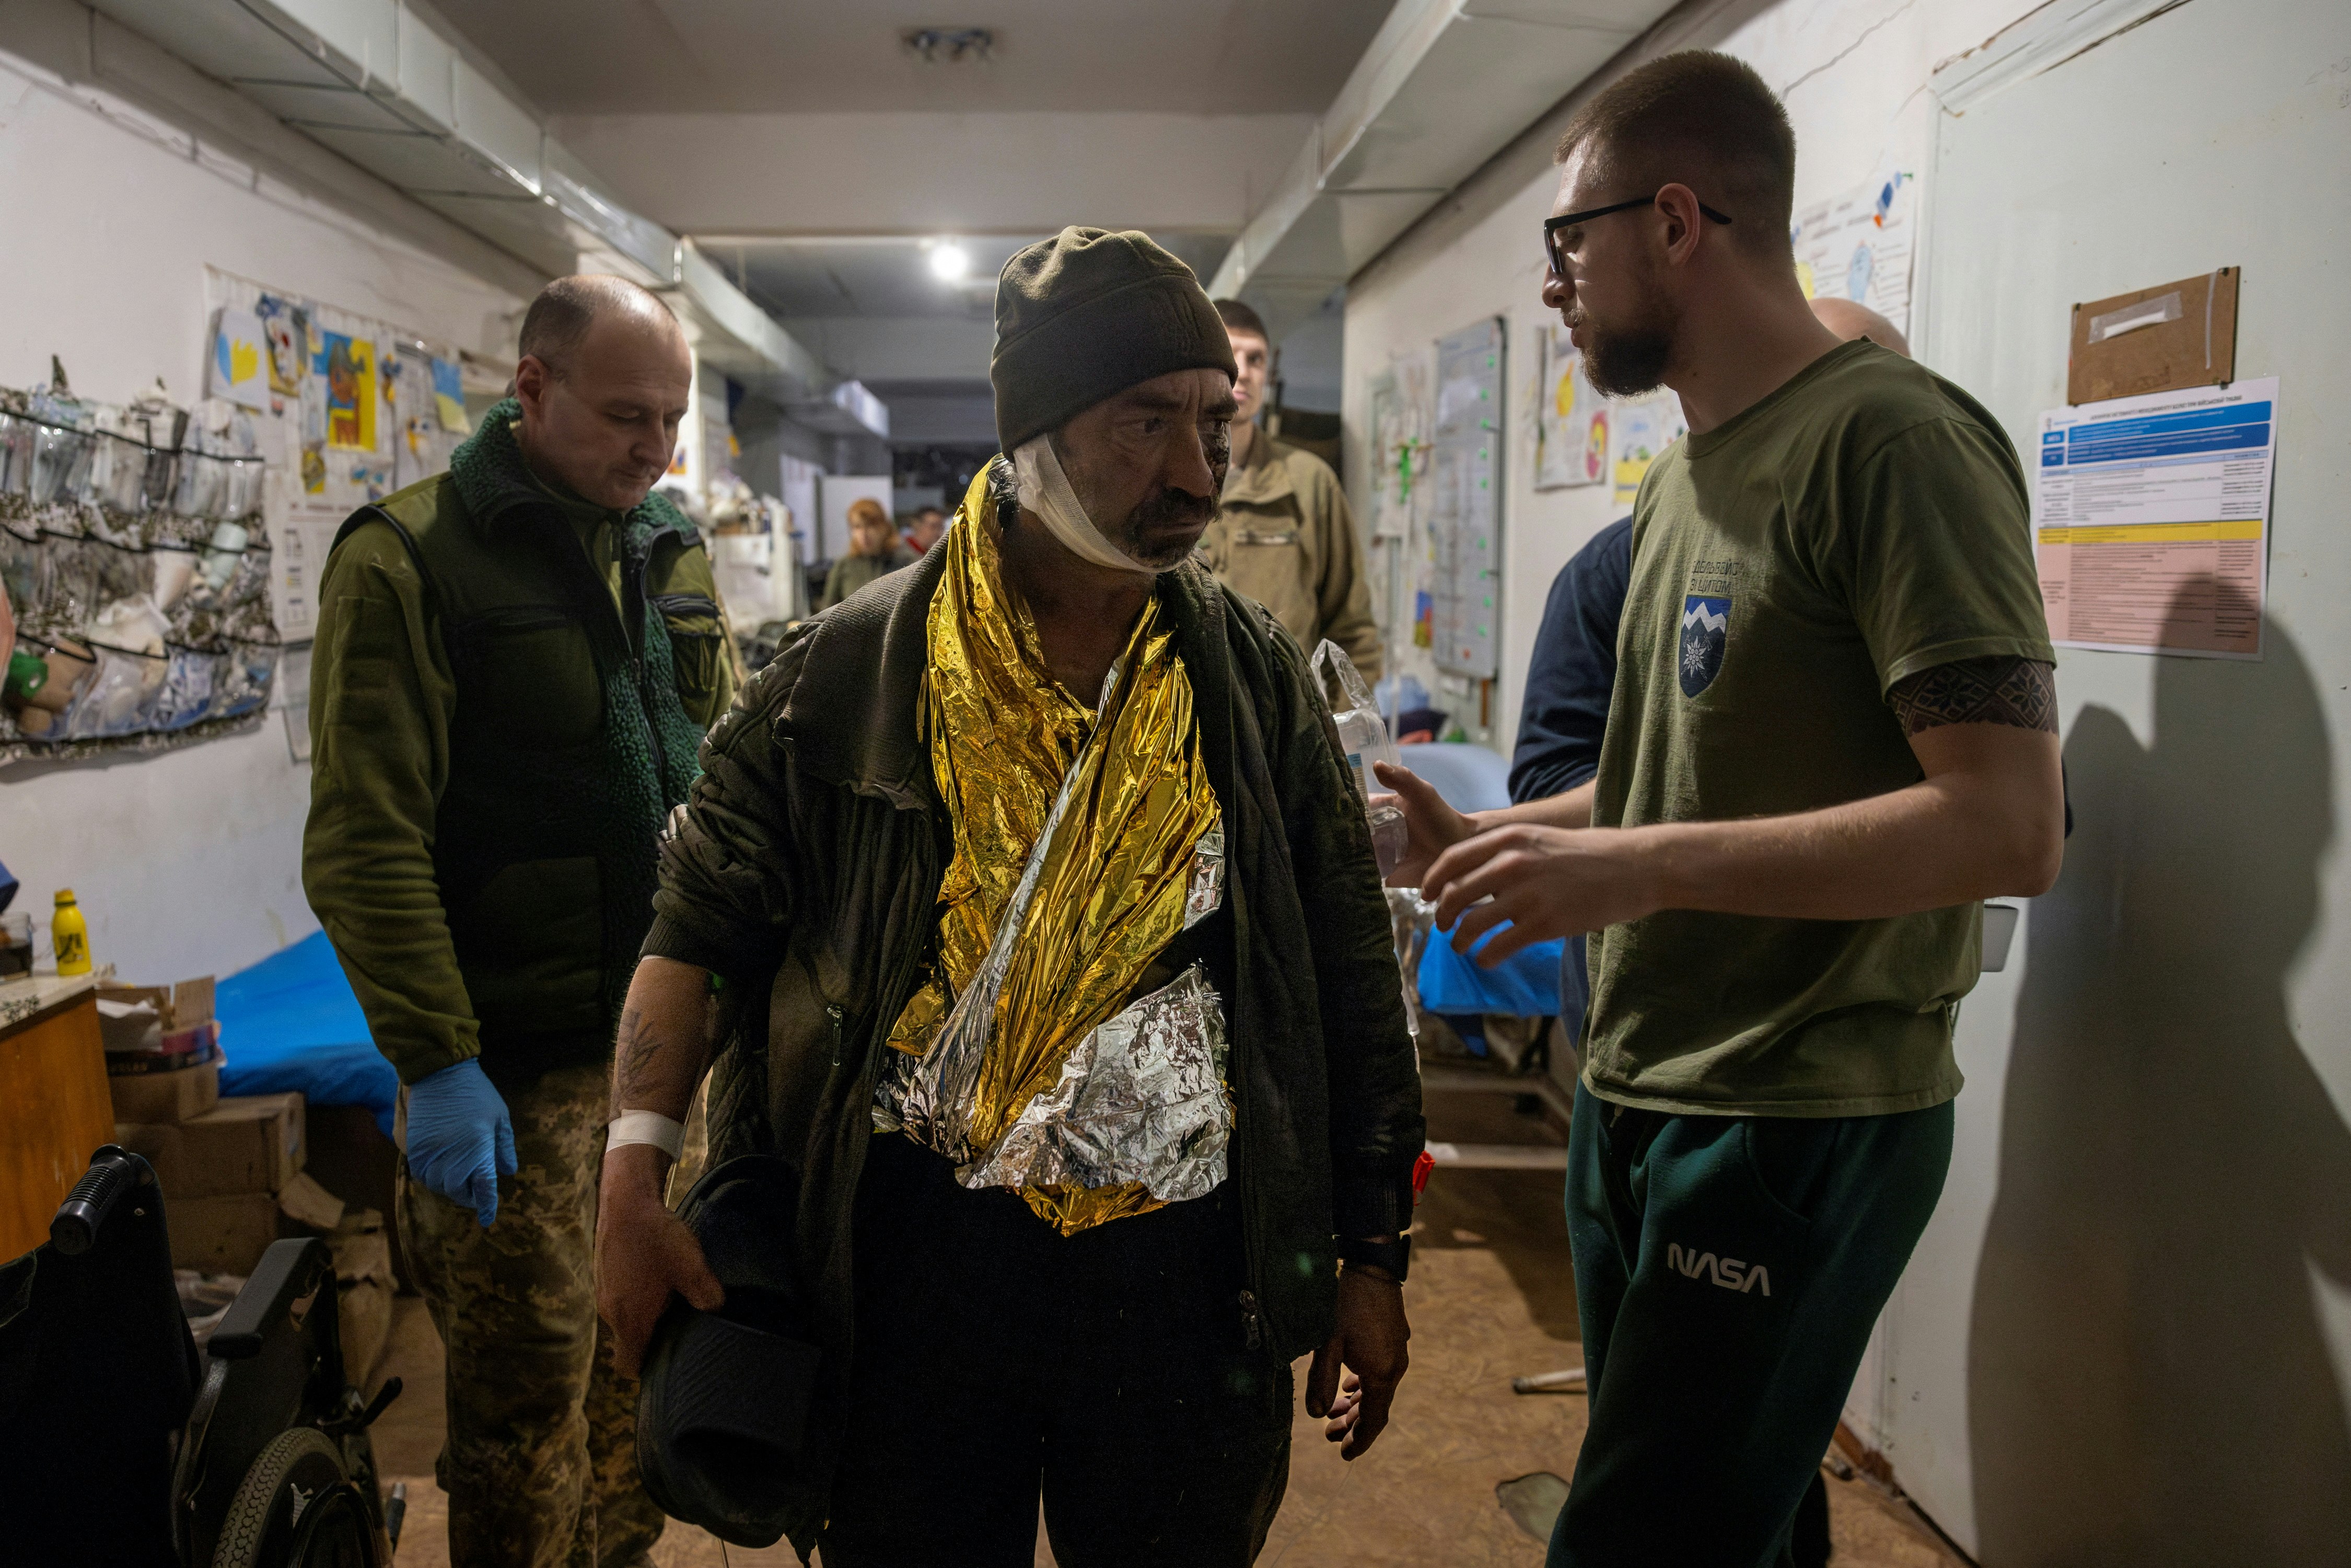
(113, 1171)
(289, 1270)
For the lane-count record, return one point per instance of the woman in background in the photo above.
(875, 551)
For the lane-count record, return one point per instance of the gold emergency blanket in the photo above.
(1126, 800)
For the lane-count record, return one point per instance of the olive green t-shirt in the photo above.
(1864, 522)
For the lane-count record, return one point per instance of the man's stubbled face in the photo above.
(1148, 463)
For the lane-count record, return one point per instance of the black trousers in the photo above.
(997, 1361)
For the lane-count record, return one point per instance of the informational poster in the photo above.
(1572, 423)
(1642, 429)
(1857, 246)
(302, 531)
(1465, 503)
(2152, 520)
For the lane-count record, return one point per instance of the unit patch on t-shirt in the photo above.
(1706, 631)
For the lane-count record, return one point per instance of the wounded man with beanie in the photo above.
(1026, 911)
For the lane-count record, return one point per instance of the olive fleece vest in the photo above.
(568, 747)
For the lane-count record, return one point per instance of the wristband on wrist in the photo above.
(646, 1127)
(1392, 1257)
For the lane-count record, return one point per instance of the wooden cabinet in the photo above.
(55, 1112)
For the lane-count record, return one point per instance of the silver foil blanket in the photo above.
(1207, 889)
(1141, 1099)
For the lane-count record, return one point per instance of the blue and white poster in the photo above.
(2150, 519)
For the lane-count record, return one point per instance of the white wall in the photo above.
(2130, 1321)
(188, 863)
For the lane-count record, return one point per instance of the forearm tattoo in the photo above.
(636, 1048)
(2021, 693)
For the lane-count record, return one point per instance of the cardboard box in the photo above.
(180, 1006)
(244, 1145)
(364, 1281)
(173, 1096)
(222, 1235)
(228, 1235)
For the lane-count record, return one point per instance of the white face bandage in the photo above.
(1045, 490)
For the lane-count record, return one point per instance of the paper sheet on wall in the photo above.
(239, 367)
(1643, 429)
(1857, 246)
(1465, 504)
(351, 377)
(2152, 520)
(302, 531)
(1571, 418)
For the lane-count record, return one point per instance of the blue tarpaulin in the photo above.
(290, 1024)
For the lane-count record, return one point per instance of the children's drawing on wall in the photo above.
(351, 393)
(1643, 430)
(1571, 418)
(449, 397)
(1857, 246)
(237, 371)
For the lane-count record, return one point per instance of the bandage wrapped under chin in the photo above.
(1045, 490)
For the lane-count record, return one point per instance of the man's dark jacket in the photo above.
(1572, 674)
(1569, 683)
(805, 870)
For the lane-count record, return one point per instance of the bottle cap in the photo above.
(65, 897)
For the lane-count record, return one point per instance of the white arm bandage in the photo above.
(646, 1127)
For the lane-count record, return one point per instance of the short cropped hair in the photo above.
(1703, 119)
(560, 318)
(1239, 317)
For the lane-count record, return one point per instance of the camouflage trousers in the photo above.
(540, 1460)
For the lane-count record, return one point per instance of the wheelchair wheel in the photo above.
(297, 1509)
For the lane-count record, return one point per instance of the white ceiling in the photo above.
(1195, 56)
(893, 277)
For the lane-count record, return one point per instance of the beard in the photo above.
(1629, 358)
(1141, 533)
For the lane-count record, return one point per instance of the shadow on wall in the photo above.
(2150, 1383)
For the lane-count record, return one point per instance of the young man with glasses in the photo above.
(1832, 733)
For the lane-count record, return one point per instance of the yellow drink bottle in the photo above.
(70, 934)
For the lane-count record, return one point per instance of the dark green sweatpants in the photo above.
(1727, 1271)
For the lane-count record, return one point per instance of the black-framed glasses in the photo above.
(1569, 220)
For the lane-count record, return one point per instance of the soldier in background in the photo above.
(1283, 534)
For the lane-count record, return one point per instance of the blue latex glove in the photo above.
(460, 1137)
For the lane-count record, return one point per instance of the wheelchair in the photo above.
(122, 1444)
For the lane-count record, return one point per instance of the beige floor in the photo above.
(1491, 1296)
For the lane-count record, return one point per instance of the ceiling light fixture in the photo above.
(949, 261)
(952, 45)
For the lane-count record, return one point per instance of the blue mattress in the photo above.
(291, 1024)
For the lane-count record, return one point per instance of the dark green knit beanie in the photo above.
(1089, 313)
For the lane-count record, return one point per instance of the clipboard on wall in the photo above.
(2164, 338)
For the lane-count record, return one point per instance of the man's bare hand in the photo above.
(644, 1255)
(1435, 826)
(1369, 1344)
(1546, 882)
